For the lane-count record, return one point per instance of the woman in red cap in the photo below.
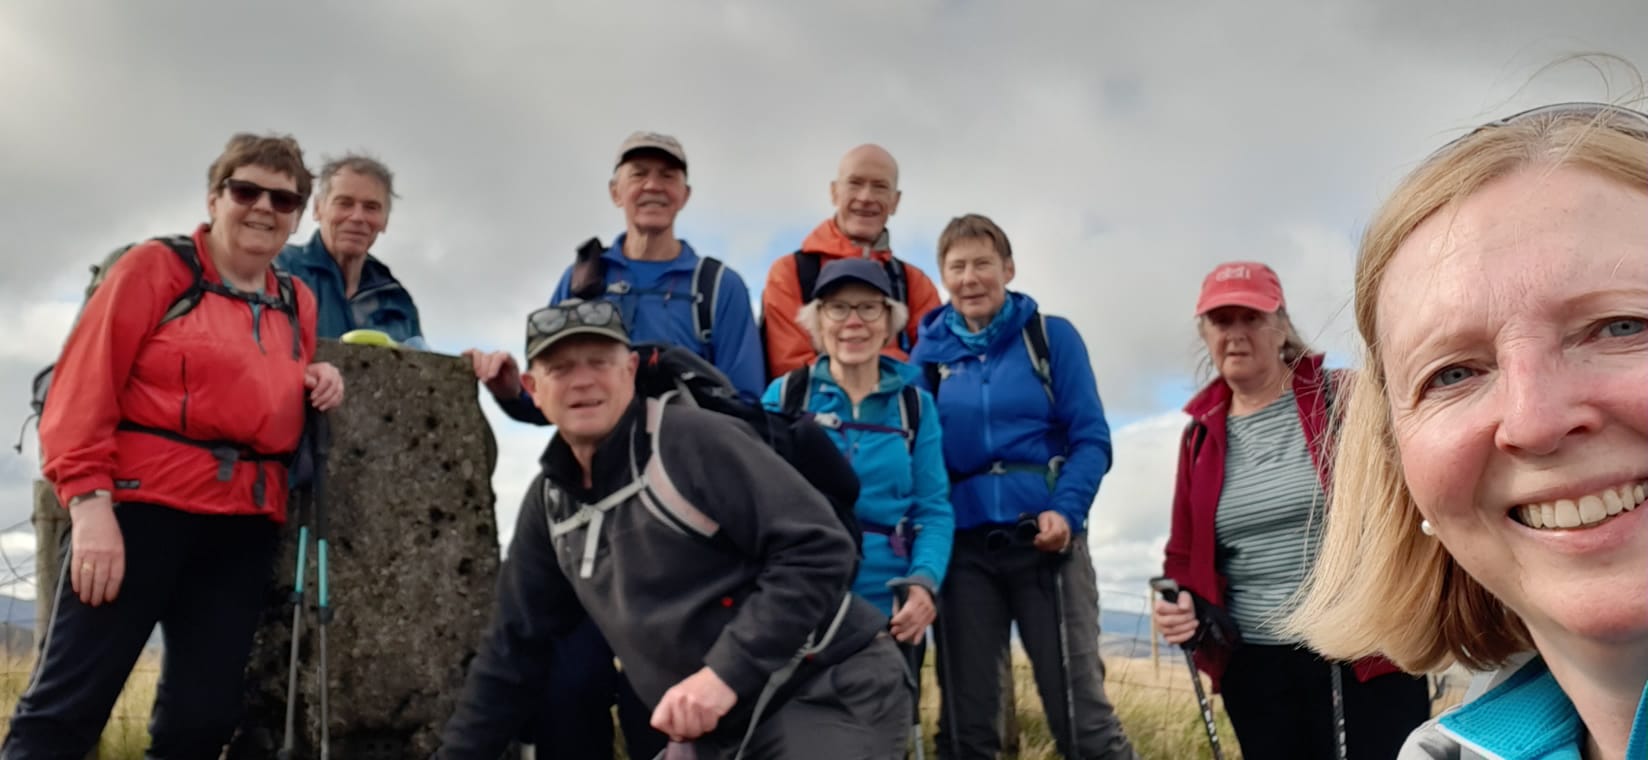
(1247, 520)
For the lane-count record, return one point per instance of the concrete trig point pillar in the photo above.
(413, 564)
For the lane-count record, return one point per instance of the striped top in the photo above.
(1269, 523)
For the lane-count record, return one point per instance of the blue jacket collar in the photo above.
(945, 347)
(894, 375)
(685, 262)
(314, 256)
(1529, 717)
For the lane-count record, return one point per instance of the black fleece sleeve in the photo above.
(536, 605)
(766, 510)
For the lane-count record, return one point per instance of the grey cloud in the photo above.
(1126, 149)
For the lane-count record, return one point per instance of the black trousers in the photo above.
(205, 580)
(985, 592)
(1280, 701)
(575, 721)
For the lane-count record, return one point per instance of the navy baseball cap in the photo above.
(842, 271)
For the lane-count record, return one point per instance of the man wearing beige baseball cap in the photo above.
(665, 293)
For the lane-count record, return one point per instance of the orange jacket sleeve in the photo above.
(788, 344)
(83, 408)
(923, 299)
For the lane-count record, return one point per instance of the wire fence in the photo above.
(1139, 666)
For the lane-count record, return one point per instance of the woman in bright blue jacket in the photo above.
(889, 430)
(1026, 444)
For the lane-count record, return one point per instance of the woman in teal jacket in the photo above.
(889, 430)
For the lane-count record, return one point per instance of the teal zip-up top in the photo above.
(898, 481)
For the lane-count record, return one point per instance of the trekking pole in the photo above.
(1169, 589)
(1340, 749)
(323, 610)
(298, 517)
(912, 663)
(1056, 566)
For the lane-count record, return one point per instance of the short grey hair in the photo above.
(897, 316)
(361, 164)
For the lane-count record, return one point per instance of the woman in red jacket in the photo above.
(1247, 521)
(174, 411)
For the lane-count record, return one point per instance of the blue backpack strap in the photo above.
(706, 290)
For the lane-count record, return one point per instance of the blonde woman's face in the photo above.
(1514, 339)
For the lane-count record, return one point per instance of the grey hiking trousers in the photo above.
(984, 592)
(858, 709)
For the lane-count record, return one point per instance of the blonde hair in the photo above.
(1379, 585)
(897, 316)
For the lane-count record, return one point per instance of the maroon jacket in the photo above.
(1191, 544)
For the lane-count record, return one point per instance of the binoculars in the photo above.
(1022, 533)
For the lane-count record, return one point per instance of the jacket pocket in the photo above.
(183, 408)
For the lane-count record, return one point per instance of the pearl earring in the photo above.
(1425, 528)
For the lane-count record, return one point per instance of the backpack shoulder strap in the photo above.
(1041, 359)
(909, 414)
(807, 266)
(934, 375)
(897, 276)
(706, 290)
(1195, 434)
(184, 247)
(793, 394)
(289, 300)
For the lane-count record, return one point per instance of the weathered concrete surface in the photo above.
(413, 562)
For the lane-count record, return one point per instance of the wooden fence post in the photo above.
(51, 521)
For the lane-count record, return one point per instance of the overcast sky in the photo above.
(1125, 148)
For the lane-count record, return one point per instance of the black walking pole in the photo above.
(912, 661)
(1340, 749)
(1055, 565)
(323, 447)
(1169, 589)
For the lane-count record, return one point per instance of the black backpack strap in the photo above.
(589, 271)
(909, 414)
(289, 297)
(899, 278)
(1041, 359)
(1197, 433)
(792, 395)
(706, 289)
(184, 247)
(807, 266)
(934, 375)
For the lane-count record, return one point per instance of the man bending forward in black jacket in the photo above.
(719, 576)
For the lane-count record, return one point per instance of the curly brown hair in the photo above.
(273, 152)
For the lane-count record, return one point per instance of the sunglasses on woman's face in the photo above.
(246, 194)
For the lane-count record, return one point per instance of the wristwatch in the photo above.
(90, 495)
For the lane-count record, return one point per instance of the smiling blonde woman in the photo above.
(1497, 444)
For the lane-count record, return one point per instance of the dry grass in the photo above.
(1154, 701)
(127, 733)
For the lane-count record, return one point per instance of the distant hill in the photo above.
(16, 612)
